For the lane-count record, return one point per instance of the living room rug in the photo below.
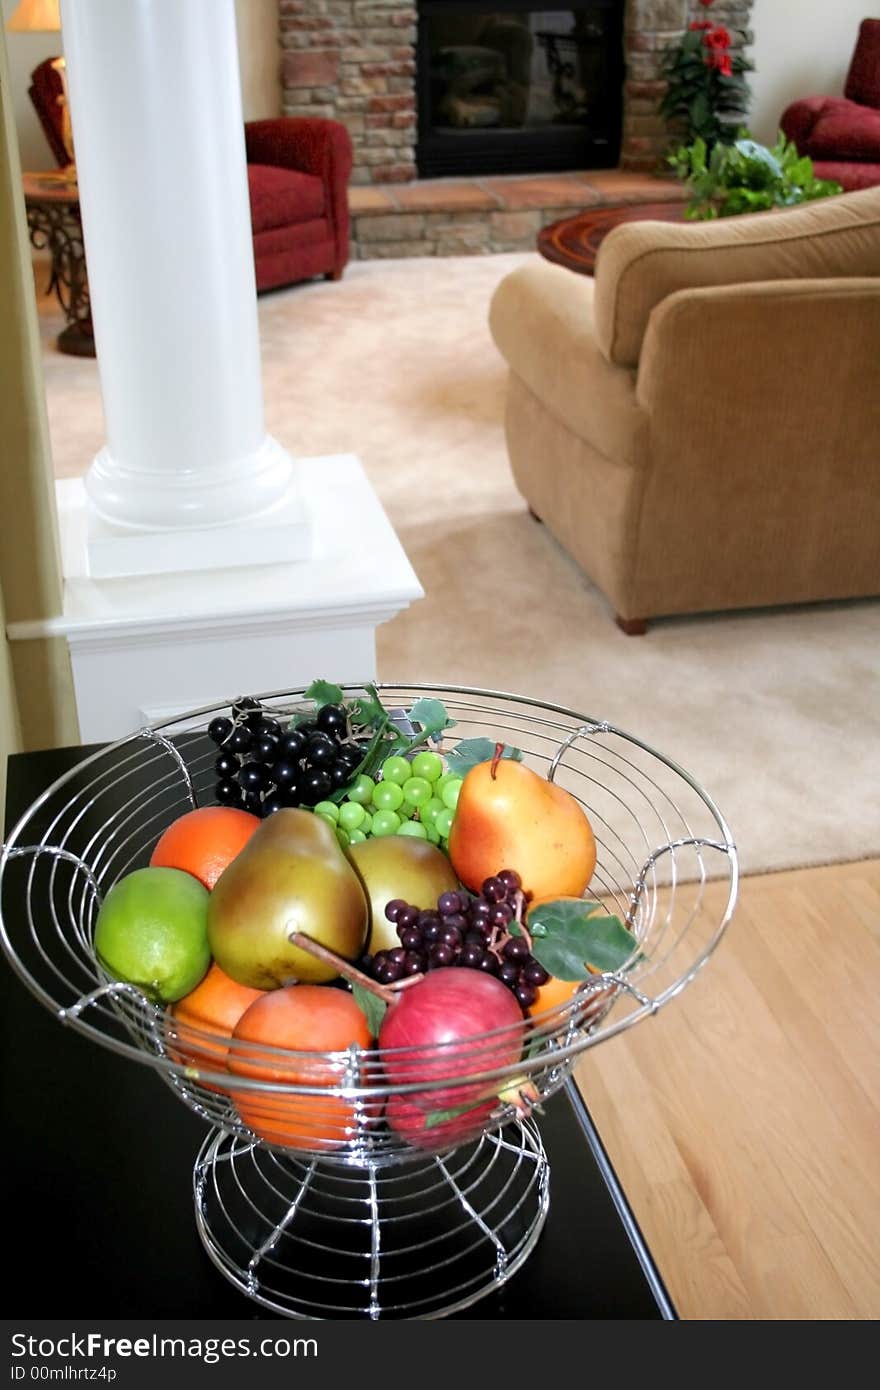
(776, 713)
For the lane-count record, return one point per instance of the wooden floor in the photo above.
(744, 1119)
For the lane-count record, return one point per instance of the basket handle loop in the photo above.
(116, 987)
(60, 854)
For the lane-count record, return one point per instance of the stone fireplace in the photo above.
(356, 61)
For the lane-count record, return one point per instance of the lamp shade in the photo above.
(35, 16)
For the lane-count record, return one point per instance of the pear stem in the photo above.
(343, 967)
(496, 759)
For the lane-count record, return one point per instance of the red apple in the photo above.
(439, 1022)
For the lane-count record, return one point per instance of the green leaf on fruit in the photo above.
(472, 751)
(371, 1006)
(367, 709)
(441, 1117)
(573, 938)
(431, 716)
(323, 693)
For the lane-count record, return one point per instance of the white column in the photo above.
(158, 131)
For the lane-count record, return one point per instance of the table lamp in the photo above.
(44, 16)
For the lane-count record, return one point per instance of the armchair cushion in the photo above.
(282, 197)
(850, 174)
(640, 263)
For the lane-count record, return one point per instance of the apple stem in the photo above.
(498, 755)
(344, 967)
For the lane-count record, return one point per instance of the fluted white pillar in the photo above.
(158, 130)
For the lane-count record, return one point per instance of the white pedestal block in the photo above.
(144, 649)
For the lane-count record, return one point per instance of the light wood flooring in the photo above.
(744, 1119)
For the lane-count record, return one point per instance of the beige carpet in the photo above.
(776, 713)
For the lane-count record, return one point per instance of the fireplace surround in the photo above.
(355, 61)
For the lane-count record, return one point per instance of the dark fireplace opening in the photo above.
(518, 86)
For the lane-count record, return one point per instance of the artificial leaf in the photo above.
(371, 1006)
(570, 935)
(440, 1117)
(431, 715)
(471, 751)
(323, 693)
(367, 708)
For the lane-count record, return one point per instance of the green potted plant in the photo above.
(706, 92)
(746, 177)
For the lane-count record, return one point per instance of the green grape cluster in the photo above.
(414, 797)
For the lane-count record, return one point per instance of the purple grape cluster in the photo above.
(463, 930)
(262, 766)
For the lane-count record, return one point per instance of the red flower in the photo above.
(717, 38)
(721, 62)
(699, 24)
(707, 3)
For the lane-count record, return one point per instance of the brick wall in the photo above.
(354, 60)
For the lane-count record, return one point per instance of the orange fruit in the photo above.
(214, 1006)
(203, 842)
(306, 1019)
(552, 994)
(556, 992)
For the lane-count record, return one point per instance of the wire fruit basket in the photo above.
(309, 1195)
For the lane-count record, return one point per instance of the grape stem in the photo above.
(344, 967)
(397, 985)
(519, 916)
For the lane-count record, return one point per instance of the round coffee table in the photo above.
(574, 241)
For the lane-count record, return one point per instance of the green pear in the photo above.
(291, 876)
(395, 866)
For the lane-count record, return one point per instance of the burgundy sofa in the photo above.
(298, 170)
(842, 134)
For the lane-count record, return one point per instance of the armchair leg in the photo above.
(633, 627)
(333, 275)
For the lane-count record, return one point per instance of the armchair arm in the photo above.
(541, 318)
(310, 145)
(640, 263)
(798, 119)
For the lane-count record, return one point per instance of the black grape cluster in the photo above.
(262, 766)
(463, 930)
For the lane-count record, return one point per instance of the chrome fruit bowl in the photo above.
(306, 1197)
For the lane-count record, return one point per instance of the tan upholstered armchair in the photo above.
(699, 426)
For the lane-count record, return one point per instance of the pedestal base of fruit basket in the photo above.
(419, 1239)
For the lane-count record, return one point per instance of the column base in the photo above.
(107, 550)
(146, 648)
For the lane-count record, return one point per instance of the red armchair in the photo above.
(298, 170)
(842, 134)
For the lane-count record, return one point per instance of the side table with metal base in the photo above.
(52, 203)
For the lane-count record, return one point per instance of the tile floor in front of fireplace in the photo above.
(462, 216)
